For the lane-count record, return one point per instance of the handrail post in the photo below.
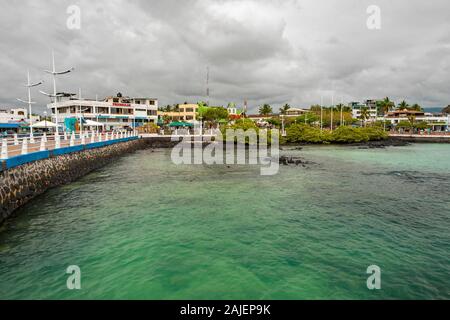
(24, 146)
(4, 154)
(42, 147)
(57, 141)
(72, 139)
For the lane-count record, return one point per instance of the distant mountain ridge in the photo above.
(437, 109)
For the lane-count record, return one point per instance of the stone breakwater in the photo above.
(21, 184)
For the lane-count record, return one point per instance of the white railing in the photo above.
(12, 146)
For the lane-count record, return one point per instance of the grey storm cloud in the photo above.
(270, 51)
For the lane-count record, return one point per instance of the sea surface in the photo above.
(144, 228)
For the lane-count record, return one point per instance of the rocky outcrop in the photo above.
(290, 160)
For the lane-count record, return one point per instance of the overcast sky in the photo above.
(274, 51)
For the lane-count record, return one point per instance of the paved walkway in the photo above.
(16, 150)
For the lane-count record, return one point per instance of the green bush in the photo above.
(375, 133)
(306, 134)
(350, 135)
(300, 133)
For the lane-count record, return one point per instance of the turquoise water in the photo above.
(143, 228)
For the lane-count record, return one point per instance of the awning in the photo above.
(9, 125)
(180, 124)
(45, 124)
(91, 123)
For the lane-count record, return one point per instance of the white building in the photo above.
(357, 107)
(16, 115)
(295, 112)
(436, 122)
(114, 112)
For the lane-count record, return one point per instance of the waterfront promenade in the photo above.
(422, 138)
(17, 151)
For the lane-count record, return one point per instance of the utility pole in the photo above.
(81, 112)
(30, 85)
(332, 111)
(321, 113)
(207, 85)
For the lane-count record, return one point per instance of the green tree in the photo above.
(365, 115)
(404, 124)
(215, 114)
(402, 105)
(386, 105)
(285, 108)
(315, 108)
(265, 110)
(309, 118)
(412, 119)
(416, 107)
(421, 125)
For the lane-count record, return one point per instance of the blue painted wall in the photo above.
(35, 156)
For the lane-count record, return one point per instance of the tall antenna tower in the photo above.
(30, 85)
(54, 73)
(207, 85)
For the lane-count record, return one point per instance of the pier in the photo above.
(17, 151)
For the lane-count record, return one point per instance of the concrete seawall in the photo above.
(421, 139)
(21, 184)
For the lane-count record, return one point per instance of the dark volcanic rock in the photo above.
(290, 160)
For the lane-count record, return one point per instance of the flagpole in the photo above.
(332, 111)
(321, 113)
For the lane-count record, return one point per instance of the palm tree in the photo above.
(265, 110)
(403, 105)
(365, 114)
(285, 108)
(412, 119)
(416, 107)
(386, 105)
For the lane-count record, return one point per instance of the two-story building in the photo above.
(115, 112)
(438, 122)
(357, 107)
(295, 112)
(184, 112)
(16, 115)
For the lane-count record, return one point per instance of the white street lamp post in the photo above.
(54, 73)
(30, 85)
